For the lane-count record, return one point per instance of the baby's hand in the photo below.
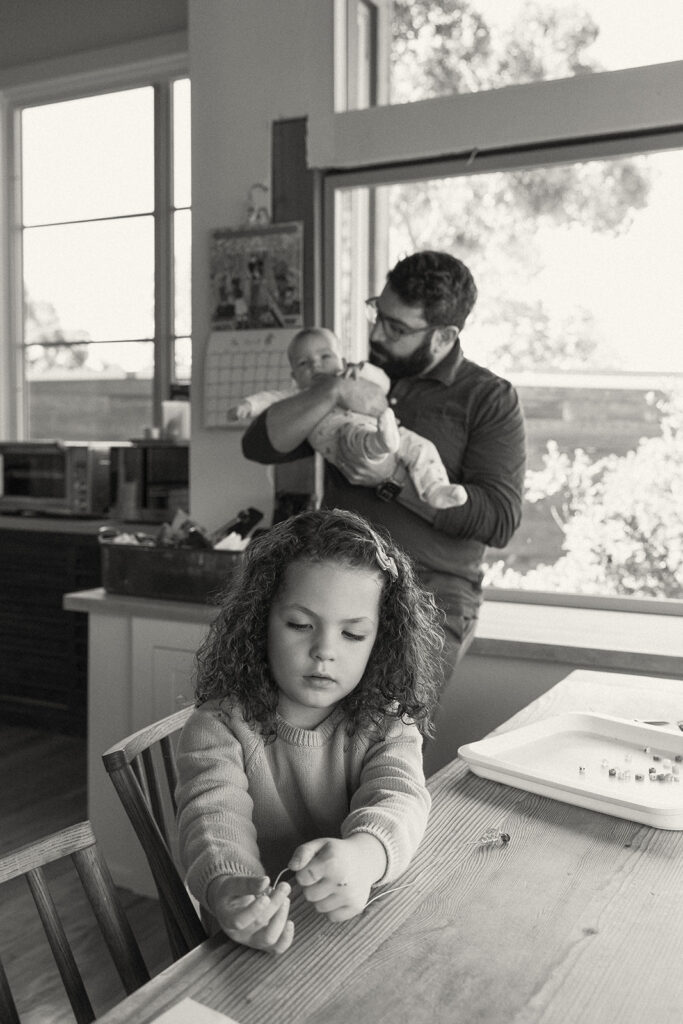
(242, 411)
(249, 913)
(336, 874)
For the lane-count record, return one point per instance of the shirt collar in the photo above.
(446, 369)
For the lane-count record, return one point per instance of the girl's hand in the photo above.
(336, 874)
(249, 913)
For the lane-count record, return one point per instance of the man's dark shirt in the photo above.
(475, 420)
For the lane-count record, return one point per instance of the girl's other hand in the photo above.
(249, 913)
(336, 875)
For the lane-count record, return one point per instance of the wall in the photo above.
(251, 63)
(37, 30)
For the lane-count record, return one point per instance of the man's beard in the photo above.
(407, 366)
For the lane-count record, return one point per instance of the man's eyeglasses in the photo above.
(393, 329)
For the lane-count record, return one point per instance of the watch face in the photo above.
(388, 490)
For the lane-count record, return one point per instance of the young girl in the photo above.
(305, 749)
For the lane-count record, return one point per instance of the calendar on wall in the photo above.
(239, 363)
(256, 278)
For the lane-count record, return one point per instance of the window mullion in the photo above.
(14, 399)
(163, 246)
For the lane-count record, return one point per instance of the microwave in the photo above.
(149, 480)
(54, 477)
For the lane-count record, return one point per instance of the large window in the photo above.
(101, 259)
(577, 265)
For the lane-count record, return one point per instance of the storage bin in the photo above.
(169, 574)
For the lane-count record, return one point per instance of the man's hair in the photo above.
(438, 282)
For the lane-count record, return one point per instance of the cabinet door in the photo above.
(162, 667)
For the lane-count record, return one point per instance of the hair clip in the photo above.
(386, 561)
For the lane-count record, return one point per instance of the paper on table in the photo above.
(188, 1011)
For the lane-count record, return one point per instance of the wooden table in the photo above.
(577, 920)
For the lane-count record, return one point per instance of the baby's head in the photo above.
(401, 675)
(314, 350)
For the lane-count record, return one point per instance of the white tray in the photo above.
(545, 758)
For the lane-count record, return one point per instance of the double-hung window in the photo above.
(98, 327)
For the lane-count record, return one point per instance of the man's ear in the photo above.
(444, 338)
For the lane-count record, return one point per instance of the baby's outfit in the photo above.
(370, 439)
(244, 805)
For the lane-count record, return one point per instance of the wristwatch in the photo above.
(388, 490)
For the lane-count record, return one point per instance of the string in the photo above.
(386, 893)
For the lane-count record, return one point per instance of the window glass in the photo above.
(464, 46)
(89, 392)
(92, 281)
(182, 363)
(89, 157)
(182, 245)
(579, 305)
(182, 181)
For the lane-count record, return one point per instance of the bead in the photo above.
(612, 772)
(679, 757)
(656, 757)
(652, 777)
(493, 837)
(646, 750)
(639, 777)
(582, 770)
(666, 762)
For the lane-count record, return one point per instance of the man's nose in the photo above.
(377, 331)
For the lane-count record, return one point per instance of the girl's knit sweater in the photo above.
(244, 805)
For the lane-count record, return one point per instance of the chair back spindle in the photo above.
(143, 771)
(78, 843)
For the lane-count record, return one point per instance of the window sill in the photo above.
(621, 641)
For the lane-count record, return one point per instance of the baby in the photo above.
(316, 350)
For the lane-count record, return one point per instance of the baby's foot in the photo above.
(445, 495)
(385, 440)
(387, 430)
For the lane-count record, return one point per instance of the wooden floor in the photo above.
(43, 789)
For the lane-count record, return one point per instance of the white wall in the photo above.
(251, 63)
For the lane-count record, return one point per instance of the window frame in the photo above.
(158, 72)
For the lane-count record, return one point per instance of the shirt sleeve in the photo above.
(256, 445)
(216, 832)
(493, 469)
(392, 801)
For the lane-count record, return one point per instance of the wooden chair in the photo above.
(77, 842)
(142, 768)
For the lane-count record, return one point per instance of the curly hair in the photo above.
(401, 678)
(438, 282)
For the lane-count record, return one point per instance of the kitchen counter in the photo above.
(68, 524)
